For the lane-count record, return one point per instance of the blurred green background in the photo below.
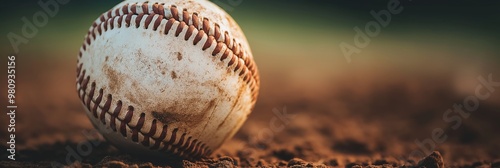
(426, 59)
(300, 30)
(300, 39)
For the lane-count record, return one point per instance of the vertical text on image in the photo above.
(11, 107)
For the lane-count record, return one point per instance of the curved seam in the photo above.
(230, 49)
(184, 148)
(156, 15)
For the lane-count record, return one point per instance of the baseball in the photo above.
(167, 77)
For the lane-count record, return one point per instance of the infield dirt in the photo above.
(360, 122)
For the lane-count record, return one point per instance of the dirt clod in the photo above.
(434, 160)
(296, 161)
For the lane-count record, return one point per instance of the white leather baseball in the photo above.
(167, 77)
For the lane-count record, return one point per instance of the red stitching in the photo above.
(189, 32)
(189, 148)
(227, 39)
(226, 54)
(157, 22)
(208, 43)
(186, 148)
(110, 14)
(137, 128)
(158, 140)
(128, 19)
(102, 18)
(105, 26)
(238, 66)
(151, 133)
(117, 11)
(185, 16)
(196, 21)
(133, 9)
(175, 12)
(98, 101)
(169, 25)
(145, 8)
(91, 95)
(116, 112)
(231, 62)
(120, 20)
(138, 20)
(105, 108)
(198, 37)
(112, 25)
(99, 29)
(206, 25)
(148, 20)
(125, 9)
(217, 33)
(217, 49)
(78, 69)
(156, 8)
(187, 20)
(180, 28)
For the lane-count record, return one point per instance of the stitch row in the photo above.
(158, 15)
(120, 120)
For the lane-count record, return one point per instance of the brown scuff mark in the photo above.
(211, 107)
(238, 97)
(133, 98)
(240, 92)
(179, 55)
(161, 66)
(173, 75)
(139, 53)
(107, 58)
(172, 115)
(166, 117)
(222, 93)
(115, 78)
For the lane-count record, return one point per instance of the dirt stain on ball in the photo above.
(172, 115)
(173, 75)
(114, 77)
(179, 55)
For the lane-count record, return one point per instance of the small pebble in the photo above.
(434, 160)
